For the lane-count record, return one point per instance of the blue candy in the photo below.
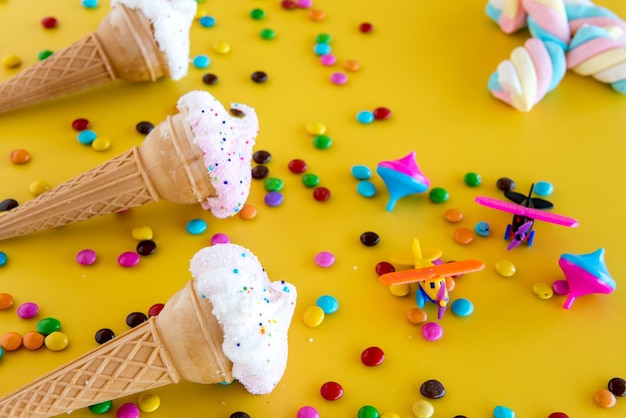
(361, 172)
(462, 307)
(196, 226)
(366, 188)
(329, 304)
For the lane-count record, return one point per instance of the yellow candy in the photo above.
(505, 268)
(141, 233)
(101, 144)
(149, 402)
(316, 128)
(313, 316)
(56, 341)
(390, 415)
(38, 187)
(400, 289)
(221, 47)
(543, 290)
(423, 409)
(11, 61)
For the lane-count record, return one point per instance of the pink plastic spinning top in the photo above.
(586, 274)
(402, 178)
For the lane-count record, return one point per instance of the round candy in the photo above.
(313, 316)
(80, 124)
(372, 356)
(328, 303)
(331, 391)
(463, 236)
(322, 142)
(86, 136)
(273, 184)
(201, 61)
(90, 4)
(49, 22)
(432, 389)
(141, 233)
(220, 239)
(432, 331)
(27, 310)
(149, 402)
(273, 199)
(543, 188)
(453, 215)
(307, 411)
(297, 166)
(155, 309)
(316, 128)
(128, 259)
(438, 195)
(86, 257)
(103, 335)
(416, 316)
(207, 21)
(423, 409)
(617, 386)
(134, 319)
(366, 27)
(328, 60)
(505, 184)
(472, 179)
(390, 415)
(558, 415)
(324, 259)
(8, 204)
(322, 49)
(196, 226)
(11, 341)
(221, 47)
(361, 172)
(257, 14)
(248, 212)
(101, 144)
(604, 398)
(33, 340)
(382, 113)
(56, 341)
(259, 77)
(146, 247)
(369, 238)
(400, 290)
(11, 61)
(351, 65)
(338, 78)
(259, 172)
(323, 38)
(210, 79)
(144, 127)
(47, 326)
(310, 180)
(365, 117)
(304, 4)
(128, 410)
(38, 187)
(503, 412)
(6, 301)
(368, 411)
(462, 307)
(239, 414)
(101, 408)
(543, 290)
(483, 229)
(505, 268)
(19, 156)
(321, 194)
(366, 188)
(560, 287)
(384, 267)
(3, 258)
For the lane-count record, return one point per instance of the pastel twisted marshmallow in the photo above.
(600, 53)
(533, 70)
(508, 14)
(579, 14)
(547, 20)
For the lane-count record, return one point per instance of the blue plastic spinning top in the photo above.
(585, 274)
(402, 177)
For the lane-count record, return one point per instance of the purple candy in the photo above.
(128, 410)
(128, 259)
(86, 257)
(307, 412)
(274, 199)
(27, 310)
(220, 239)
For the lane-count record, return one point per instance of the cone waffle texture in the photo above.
(122, 47)
(115, 185)
(130, 363)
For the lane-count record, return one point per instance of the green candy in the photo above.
(439, 195)
(101, 408)
(48, 325)
(322, 141)
(472, 179)
(273, 184)
(257, 14)
(310, 180)
(323, 38)
(267, 34)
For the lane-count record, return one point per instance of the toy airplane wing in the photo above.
(431, 272)
(526, 212)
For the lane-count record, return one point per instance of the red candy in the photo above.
(155, 309)
(80, 124)
(49, 22)
(382, 113)
(331, 391)
(558, 415)
(288, 4)
(321, 194)
(384, 267)
(366, 27)
(297, 166)
(372, 356)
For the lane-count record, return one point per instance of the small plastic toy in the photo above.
(585, 274)
(525, 210)
(402, 177)
(431, 277)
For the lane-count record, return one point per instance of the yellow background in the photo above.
(429, 62)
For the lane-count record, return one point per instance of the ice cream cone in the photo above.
(182, 342)
(167, 165)
(182, 160)
(122, 47)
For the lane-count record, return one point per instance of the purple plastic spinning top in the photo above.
(402, 178)
(586, 274)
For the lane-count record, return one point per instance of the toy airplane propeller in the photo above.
(430, 278)
(525, 210)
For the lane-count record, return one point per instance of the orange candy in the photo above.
(463, 236)
(416, 316)
(247, 212)
(11, 341)
(351, 65)
(316, 15)
(453, 215)
(6, 301)
(604, 398)
(19, 156)
(33, 340)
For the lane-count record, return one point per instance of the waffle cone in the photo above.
(123, 46)
(183, 341)
(168, 165)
